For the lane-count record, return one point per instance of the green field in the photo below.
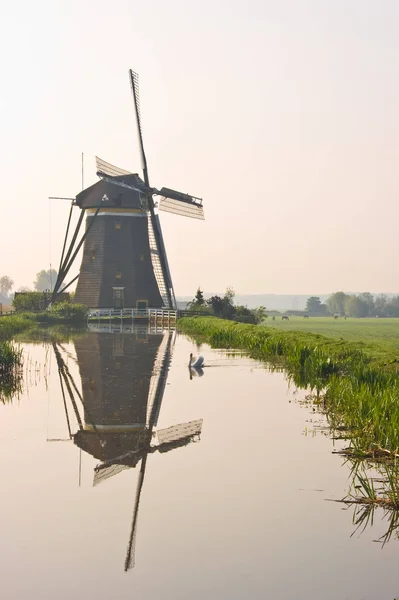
(379, 332)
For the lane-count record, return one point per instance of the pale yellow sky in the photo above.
(283, 116)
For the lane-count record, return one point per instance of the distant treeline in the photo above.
(339, 303)
(354, 305)
(225, 308)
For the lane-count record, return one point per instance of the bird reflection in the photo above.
(195, 372)
(123, 379)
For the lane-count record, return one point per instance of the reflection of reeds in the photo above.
(374, 488)
(9, 326)
(357, 395)
(11, 358)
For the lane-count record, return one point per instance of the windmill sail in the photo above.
(134, 82)
(106, 168)
(178, 432)
(130, 554)
(182, 208)
(107, 472)
(165, 258)
(158, 254)
(158, 379)
(180, 204)
(163, 283)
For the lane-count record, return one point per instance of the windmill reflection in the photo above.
(123, 376)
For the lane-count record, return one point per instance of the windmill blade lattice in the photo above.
(106, 168)
(179, 207)
(134, 83)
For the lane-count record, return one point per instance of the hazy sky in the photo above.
(283, 116)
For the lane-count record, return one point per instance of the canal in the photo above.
(125, 475)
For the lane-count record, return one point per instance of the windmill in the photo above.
(123, 379)
(124, 263)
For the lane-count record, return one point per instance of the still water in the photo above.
(125, 476)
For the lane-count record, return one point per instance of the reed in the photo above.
(360, 395)
(11, 355)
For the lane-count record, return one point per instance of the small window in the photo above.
(141, 256)
(117, 223)
(93, 256)
(118, 274)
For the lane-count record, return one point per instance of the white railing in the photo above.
(151, 314)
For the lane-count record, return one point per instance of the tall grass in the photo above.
(360, 395)
(10, 355)
(12, 325)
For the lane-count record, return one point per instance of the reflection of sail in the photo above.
(169, 439)
(123, 381)
(173, 437)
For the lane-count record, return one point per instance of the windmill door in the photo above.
(119, 298)
(142, 304)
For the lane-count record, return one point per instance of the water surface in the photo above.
(239, 511)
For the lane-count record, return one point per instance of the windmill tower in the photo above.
(124, 262)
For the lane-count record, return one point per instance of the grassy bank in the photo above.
(11, 325)
(360, 388)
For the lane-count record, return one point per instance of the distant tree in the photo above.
(336, 303)
(216, 304)
(230, 294)
(6, 284)
(24, 288)
(352, 306)
(45, 280)
(245, 315)
(380, 305)
(260, 313)
(314, 307)
(199, 298)
(368, 300)
(222, 307)
(392, 307)
(199, 304)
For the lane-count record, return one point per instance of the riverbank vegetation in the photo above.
(63, 312)
(224, 308)
(357, 384)
(11, 355)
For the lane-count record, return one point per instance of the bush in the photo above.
(69, 312)
(245, 315)
(29, 301)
